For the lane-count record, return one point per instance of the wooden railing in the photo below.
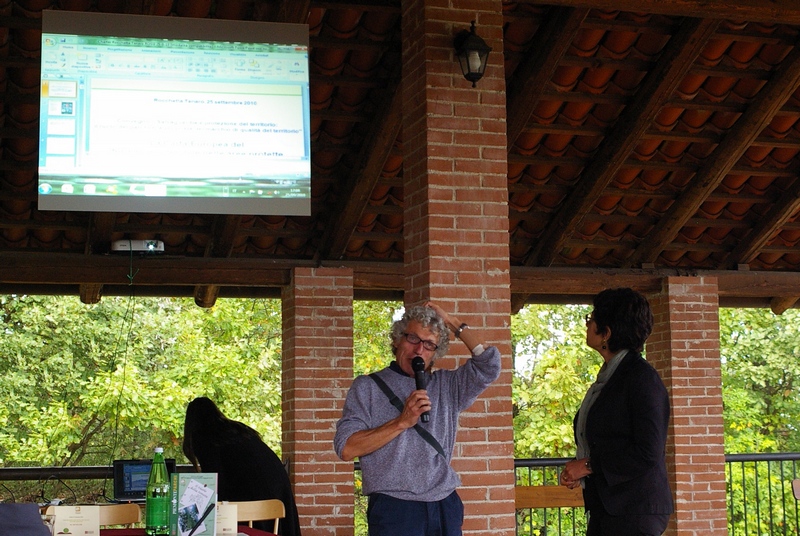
(547, 497)
(759, 489)
(760, 499)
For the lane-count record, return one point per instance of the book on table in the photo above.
(193, 507)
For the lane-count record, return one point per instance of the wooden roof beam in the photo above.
(780, 305)
(220, 245)
(71, 268)
(139, 7)
(355, 196)
(637, 117)
(531, 78)
(786, 11)
(98, 240)
(714, 168)
(90, 293)
(59, 273)
(101, 229)
(293, 11)
(586, 282)
(658, 86)
(765, 228)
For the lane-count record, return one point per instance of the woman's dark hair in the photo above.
(628, 315)
(204, 418)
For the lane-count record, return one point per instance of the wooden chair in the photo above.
(120, 514)
(796, 488)
(249, 511)
(115, 514)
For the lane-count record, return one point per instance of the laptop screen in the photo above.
(130, 478)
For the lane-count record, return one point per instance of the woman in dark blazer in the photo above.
(621, 427)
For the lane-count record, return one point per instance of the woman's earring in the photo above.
(604, 347)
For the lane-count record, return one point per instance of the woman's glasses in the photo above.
(588, 318)
(413, 339)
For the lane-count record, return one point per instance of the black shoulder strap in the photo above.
(399, 405)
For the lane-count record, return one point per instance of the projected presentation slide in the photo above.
(174, 125)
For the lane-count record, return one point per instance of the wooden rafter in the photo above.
(577, 89)
(166, 276)
(98, 240)
(556, 34)
(372, 157)
(637, 117)
(656, 88)
(586, 282)
(139, 7)
(220, 245)
(782, 304)
(714, 168)
(765, 228)
(786, 11)
(101, 228)
(293, 11)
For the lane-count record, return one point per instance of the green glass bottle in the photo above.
(156, 508)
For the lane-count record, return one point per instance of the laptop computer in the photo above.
(130, 478)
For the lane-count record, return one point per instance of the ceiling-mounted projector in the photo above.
(147, 246)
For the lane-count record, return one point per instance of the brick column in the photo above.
(317, 371)
(684, 347)
(456, 228)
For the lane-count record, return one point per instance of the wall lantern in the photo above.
(472, 53)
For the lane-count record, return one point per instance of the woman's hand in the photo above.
(573, 471)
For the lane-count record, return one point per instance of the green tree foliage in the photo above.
(372, 323)
(761, 377)
(553, 370)
(83, 385)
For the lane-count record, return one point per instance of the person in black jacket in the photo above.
(247, 469)
(621, 426)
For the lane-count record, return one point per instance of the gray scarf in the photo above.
(606, 371)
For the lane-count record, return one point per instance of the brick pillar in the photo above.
(684, 347)
(456, 227)
(317, 371)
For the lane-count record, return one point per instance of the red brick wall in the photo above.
(684, 347)
(456, 229)
(317, 371)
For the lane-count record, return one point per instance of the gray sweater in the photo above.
(408, 467)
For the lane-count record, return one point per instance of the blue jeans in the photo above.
(388, 516)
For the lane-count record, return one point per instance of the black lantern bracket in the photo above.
(472, 53)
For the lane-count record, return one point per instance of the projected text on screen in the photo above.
(145, 117)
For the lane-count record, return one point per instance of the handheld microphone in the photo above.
(418, 366)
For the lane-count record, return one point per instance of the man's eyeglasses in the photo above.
(413, 339)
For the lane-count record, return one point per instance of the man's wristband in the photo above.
(461, 328)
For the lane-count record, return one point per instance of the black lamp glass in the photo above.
(472, 53)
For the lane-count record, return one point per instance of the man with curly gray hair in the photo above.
(401, 422)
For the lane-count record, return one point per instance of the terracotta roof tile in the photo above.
(354, 59)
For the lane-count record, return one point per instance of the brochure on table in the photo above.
(226, 519)
(193, 509)
(80, 519)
